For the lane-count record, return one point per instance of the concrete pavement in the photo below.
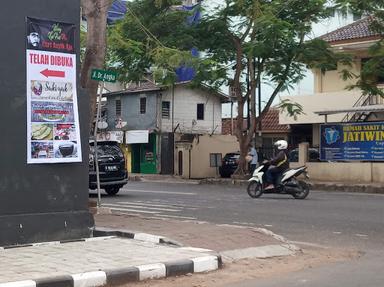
(118, 255)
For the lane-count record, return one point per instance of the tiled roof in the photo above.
(142, 86)
(358, 30)
(270, 123)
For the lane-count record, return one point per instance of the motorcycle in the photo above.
(287, 183)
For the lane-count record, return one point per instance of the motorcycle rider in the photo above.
(278, 164)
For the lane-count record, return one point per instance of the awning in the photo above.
(370, 108)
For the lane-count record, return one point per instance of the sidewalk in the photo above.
(316, 185)
(119, 256)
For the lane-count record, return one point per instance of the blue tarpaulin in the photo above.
(185, 73)
(117, 11)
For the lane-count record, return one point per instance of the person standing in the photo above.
(253, 163)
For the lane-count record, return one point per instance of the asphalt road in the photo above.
(328, 219)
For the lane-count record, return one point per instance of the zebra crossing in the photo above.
(152, 209)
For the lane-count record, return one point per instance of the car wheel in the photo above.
(112, 190)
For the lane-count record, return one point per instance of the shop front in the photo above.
(143, 147)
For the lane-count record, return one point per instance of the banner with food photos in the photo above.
(53, 130)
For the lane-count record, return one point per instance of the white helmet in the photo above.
(281, 144)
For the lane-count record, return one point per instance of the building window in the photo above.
(215, 159)
(143, 105)
(165, 109)
(118, 108)
(200, 111)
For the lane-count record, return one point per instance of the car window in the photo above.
(107, 150)
(232, 156)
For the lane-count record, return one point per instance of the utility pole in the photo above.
(259, 97)
(248, 117)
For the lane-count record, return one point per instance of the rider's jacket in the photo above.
(281, 160)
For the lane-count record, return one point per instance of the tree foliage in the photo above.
(373, 68)
(153, 37)
(242, 43)
(251, 41)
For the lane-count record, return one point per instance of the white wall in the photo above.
(320, 102)
(185, 111)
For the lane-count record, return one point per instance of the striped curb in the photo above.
(115, 277)
(103, 232)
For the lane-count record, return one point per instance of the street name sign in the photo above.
(103, 75)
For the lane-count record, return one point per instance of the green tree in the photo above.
(251, 41)
(153, 38)
(242, 43)
(373, 69)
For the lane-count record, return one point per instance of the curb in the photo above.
(108, 232)
(162, 180)
(124, 275)
(115, 277)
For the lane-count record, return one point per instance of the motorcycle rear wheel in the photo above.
(254, 189)
(304, 190)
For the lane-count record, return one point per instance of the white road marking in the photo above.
(309, 244)
(140, 206)
(361, 235)
(159, 191)
(243, 223)
(166, 204)
(174, 216)
(133, 210)
(141, 203)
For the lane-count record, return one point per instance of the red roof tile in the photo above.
(358, 30)
(270, 123)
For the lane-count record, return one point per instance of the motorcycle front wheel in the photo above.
(303, 193)
(254, 189)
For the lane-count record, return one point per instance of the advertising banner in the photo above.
(352, 142)
(137, 136)
(53, 130)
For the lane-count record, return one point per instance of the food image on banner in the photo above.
(52, 112)
(65, 149)
(42, 150)
(53, 129)
(56, 91)
(42, 132)
(65, 132)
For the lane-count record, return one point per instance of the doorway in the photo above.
(180, 158)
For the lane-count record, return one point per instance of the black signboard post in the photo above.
(43, 188)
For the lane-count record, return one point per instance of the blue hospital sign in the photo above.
(355, 141)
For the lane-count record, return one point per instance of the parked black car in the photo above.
(112, 167)
(229, 164)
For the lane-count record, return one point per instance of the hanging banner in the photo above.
(136, 136)
(354, 141)
(53, 129)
